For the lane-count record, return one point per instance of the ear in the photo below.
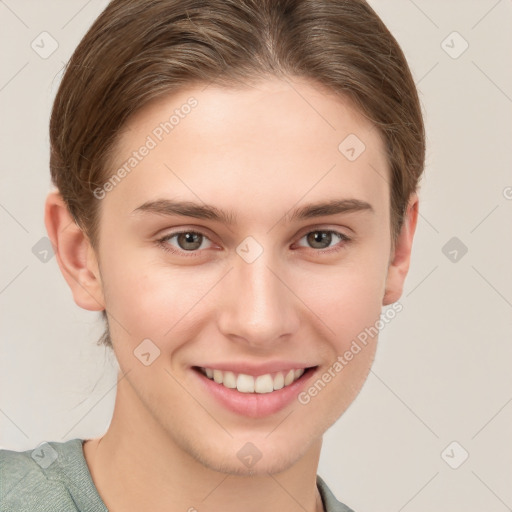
(75, 255)
(400, 259)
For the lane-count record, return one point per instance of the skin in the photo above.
(260, 152)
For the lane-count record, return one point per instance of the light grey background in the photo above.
(443, 366)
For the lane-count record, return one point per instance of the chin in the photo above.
(262, 468)
(242, 458)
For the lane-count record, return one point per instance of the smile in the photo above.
(244, 383)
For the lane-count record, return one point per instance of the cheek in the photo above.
(150, 300)
(347, 298)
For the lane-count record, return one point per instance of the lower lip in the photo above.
(255, 405)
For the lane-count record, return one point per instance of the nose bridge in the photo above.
(258, 307)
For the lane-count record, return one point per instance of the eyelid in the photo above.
(200, 230)
(332, 231)
(325, 227)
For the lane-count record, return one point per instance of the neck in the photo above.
(137, 465)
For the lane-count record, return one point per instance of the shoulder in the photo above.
(48, 477)
(331, 504)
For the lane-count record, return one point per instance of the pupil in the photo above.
(319, 237)
(189, 239)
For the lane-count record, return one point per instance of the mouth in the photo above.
(255, 384)
(254, 396)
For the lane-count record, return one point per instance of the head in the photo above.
(247, 113)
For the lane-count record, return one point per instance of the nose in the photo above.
(258, 306)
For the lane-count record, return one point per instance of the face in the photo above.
(210, 250)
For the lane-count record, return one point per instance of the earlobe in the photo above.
(401, 257)
(74, 254)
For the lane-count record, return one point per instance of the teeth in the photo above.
(289, 377)
(245, 383)
(264, 384)
(217, 376)
(229, 380)
(249, 384)
(279, 381)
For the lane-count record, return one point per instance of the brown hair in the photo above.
(137, 50)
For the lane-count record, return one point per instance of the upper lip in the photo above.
(256, 369)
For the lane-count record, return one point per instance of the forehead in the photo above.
(274, 141)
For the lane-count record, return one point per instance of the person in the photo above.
(237, 192)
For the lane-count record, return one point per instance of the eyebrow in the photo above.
(209, 212)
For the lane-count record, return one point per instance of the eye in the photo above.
(321, 239)
(187, 241)
(192, 242)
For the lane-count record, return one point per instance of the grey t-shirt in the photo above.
(54, 477)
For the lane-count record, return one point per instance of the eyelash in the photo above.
(162, 242)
